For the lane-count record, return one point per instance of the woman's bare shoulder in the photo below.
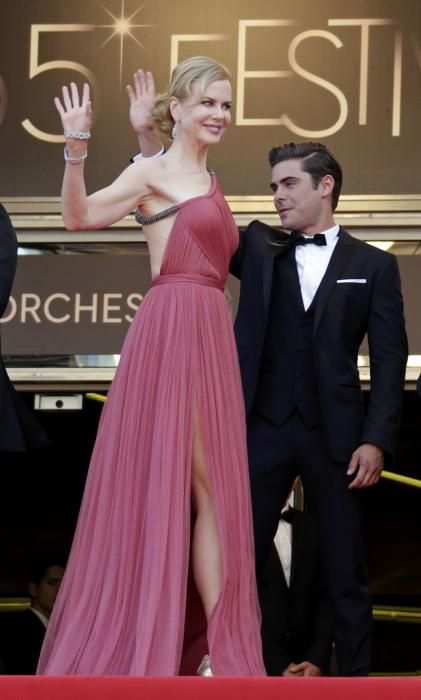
(149, 171)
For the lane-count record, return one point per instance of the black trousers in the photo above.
(276, 456)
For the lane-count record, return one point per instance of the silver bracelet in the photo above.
(82, 135)
(75, 159)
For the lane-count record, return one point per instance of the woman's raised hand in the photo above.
(75, 113)
(142, 98)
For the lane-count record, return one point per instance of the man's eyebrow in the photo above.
(282, 180)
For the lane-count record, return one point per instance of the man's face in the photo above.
(44, 595)
(299, 205)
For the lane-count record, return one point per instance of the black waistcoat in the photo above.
(287, 372)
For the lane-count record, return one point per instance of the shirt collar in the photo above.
(331, 233)
(40, 615)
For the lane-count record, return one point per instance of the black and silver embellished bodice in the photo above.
(147, 220)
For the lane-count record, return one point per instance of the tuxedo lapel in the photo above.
(276, 243)
(289, 271)
(343, 252)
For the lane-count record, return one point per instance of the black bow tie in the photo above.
(297, 238)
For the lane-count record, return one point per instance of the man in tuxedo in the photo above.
(18, 428)
(22, 633)
(307, 300)
(297, 614)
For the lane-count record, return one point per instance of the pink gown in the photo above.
(122, 604)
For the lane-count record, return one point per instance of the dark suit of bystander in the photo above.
(18, 428)
(297, 619)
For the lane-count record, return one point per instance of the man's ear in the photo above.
(32, 589)
(327, 183)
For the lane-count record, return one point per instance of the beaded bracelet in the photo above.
(75, 159)
(82, 135)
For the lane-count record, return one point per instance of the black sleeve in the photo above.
(236, 263)
(237, 260)
(388, 348)
(8, 258)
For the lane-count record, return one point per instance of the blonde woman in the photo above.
(172, 438)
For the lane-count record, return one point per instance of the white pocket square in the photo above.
(352, 281)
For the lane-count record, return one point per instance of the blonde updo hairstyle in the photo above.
(198, 71)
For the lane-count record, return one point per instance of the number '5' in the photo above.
(36, 68)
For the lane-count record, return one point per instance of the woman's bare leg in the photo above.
(206, 555)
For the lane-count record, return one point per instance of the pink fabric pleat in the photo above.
(121, 607)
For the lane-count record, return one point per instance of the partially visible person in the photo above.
(8, 258)
(22, 633)
(419, 386)
(297, 611)
(19, 430)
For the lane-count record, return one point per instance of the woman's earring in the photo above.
(174, 130)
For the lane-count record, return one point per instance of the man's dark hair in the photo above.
(38, 568)
(317, 161)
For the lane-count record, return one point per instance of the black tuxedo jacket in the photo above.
(297, 621)
(345, 312)
(8, 258)
(21, 638)
(18, 428)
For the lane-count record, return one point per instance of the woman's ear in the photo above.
(174, 108)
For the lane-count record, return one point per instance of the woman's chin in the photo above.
(214, 139)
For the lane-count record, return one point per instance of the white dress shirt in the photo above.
(283, 544)
(312, 262)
